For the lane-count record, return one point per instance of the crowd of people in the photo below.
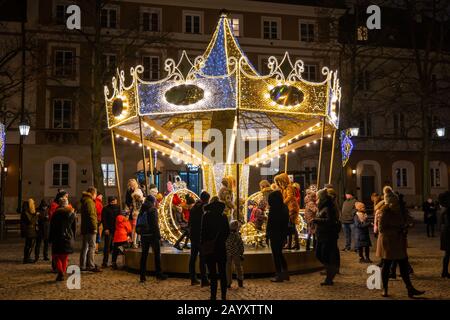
(214, 232)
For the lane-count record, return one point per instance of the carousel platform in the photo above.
(256, 261)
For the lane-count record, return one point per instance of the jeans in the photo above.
(195, 251)
(116, 250)
(404, 271)
(37, 248)
(430, 229)
(348, 234)
(239, 268)
(214, 265)
(278, 258)
(107, 247)
(29, 245)
(146, 243)
(88, 251)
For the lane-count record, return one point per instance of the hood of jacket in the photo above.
(215, 207)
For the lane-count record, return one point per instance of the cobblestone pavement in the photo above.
(35, 281)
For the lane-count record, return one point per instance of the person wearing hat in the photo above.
(109, 215)
(235, 254)
(150, 237)
(347, 218)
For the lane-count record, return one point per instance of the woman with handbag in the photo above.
(214, 234)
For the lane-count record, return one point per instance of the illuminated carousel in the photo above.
(220, 91)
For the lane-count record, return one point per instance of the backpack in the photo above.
(142, 223)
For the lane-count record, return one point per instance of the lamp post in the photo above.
(24, 129)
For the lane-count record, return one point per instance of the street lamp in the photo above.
(354, 131)
(440, 132)
(24, 128)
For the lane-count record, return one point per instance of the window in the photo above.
(435, 176)
(109, 175)
(61, 14)
(310, 72)
(401, 175)
(62, 114)
(271, 28)
(60, 174)
(151, 67)
(363, 80)
(192, 23)
(108, 18)
(109, 62)
(151, 19)
(64, 63)
(307, 32)
(399, 124)
(362, 33)
(365, 127)
(235, 26)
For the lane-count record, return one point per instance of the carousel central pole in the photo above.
(116, 168)
(143, 155)
(332, 156)
(238, 178)
(319, 166)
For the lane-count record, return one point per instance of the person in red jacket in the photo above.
(122, 234)
(99, 208)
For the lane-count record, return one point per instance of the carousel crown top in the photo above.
(223, 90)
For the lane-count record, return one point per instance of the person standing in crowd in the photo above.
(283, 182)
(109, 215)
(444, 200)
(235, 254)
(258, 217)
(195, 227)
(334, 198)
(276, 234)
(327, 230)
(122, 232)
(226, 196)
(430, 215)
(150, 237)
(264, 187)
(62, 236)
(28, 228)
(55, 203)
(347, 218)
(376, 199)
(43, 230)
(310, 214)
(153, 190)
(391, 242)
(362, 235)
(88, 230)
(99, 209)
(137, 199)
(214, 234)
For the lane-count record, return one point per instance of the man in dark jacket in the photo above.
(276, 233)
(347, 218)
(195, 227)
(88, 230)
(214, 234)
(150, 237)
(109, 215)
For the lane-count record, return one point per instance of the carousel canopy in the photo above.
(223, 90)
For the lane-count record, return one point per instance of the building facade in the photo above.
(57, 151)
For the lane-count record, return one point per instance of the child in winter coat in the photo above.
(235, 254)
(362, 236)
(122, 233)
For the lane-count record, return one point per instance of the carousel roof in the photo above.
(223, 90)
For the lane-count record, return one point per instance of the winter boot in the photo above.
(414, 292)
